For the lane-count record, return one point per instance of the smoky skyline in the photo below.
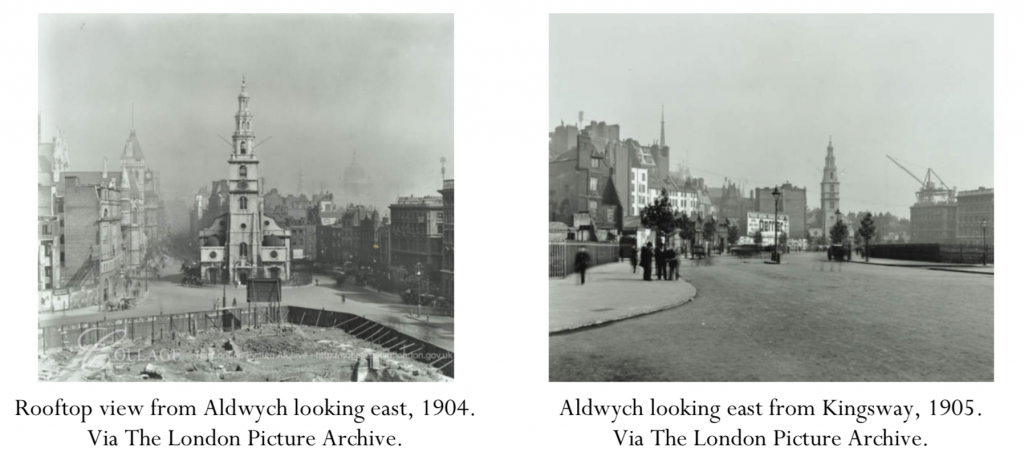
(324, 87)
(755, 98)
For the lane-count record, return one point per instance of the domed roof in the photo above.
(354, 173)
(273, 241)
(212, 241)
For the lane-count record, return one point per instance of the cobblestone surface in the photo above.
(805, 320)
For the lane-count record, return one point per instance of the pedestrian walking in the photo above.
(317, 281)
(342, 298)
(673, 265)
(659, 261)
(633, 257)
(646, 255)
(582, 262)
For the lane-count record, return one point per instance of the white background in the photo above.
(501, 74)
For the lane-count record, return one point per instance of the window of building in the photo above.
(243, 203)
(595, 163)
(243, 172)
(593, 184)
(243, 249)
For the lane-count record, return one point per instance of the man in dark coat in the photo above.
(646, 255)
(659, 261)
(582, 262)
(633, 257)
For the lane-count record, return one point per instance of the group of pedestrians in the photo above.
(666, 261)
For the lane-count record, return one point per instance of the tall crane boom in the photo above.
(929, 193)
(894, 161)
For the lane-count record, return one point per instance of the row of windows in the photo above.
(412, 214)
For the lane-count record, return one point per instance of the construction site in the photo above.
(243, 345)
(946, 225)
(933, 216)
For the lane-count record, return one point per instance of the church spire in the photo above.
(662, 141)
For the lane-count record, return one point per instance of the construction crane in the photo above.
(930, 194)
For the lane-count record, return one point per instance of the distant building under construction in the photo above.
(933, 218)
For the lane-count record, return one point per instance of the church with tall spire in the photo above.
(243, 243)
(662, 141)
(829, 192)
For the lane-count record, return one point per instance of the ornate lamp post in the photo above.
(984, 241)
(776, 253)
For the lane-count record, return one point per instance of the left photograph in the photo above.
(246, 198)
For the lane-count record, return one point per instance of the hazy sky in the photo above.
(755, 97)
(320, 85)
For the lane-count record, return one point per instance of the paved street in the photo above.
(170, 297)
(805, 320)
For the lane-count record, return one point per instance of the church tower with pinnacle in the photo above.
(829, 193)
(244, 193)
(242, 243)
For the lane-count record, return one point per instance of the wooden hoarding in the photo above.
(264, 290)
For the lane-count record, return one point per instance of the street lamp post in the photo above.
(984, 241)
(419, 289)
(224, 283)
(777, 254)
(838, 215)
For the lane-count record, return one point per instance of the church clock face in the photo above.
(243, 185)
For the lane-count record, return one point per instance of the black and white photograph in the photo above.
(741, 198)
(259, 198)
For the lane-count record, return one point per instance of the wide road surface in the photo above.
(806, 320)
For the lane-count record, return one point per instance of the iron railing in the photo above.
(941, 253)
(562, 256)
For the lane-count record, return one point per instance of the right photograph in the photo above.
(771, 198)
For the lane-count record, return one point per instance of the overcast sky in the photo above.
(755, 97)
(320, 85)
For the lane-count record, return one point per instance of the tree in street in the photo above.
(686, 228)
(709, 231)
(659, 217)
(867, 232)
(839, 232)
(733, 232)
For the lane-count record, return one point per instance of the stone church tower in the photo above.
(829, 193)
(243, 193)
(242, 243)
